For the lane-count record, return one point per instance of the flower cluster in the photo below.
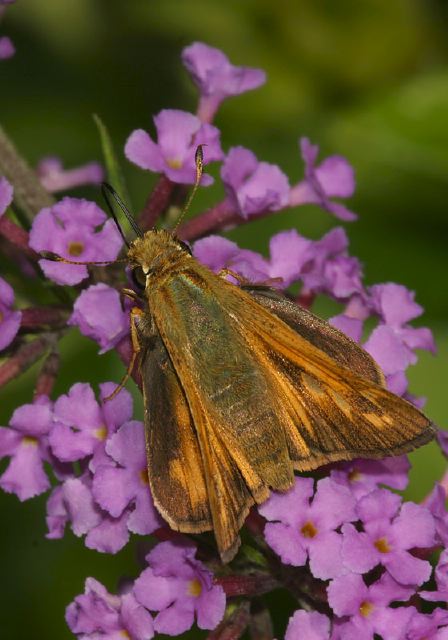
(354, 555)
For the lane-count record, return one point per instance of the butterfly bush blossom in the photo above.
(358, 560)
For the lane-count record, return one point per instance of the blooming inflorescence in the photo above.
(355, 556)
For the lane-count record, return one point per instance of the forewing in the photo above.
(242, 441)
(175, 467)
(332, 412)
(319, 333)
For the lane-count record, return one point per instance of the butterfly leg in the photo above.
(136, 313)
(223, 273)
(130, 293)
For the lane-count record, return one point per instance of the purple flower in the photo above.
(389, 351)
(364, 476)
(217, 78)
(351, 321)
(368, 607)
(81, 425)
(299, 528)
(178, 135)
(9, 319)
(289, 253)
(72, 503)
(54, 177)
(99, 614)
(69, 229)
(334, 177)
(433, 626)
(392, 342)
(352, 327)
(309, 625)
(115, 488)
(390, 532)
(6, 193)
(220, 253)
(394, 304)
(252, 186)
(329, 269)
(99, 315)
(7, 49)
(180, 588)
(441, 575)
(436, 503)
(26, 443)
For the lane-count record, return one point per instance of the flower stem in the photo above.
(29, 194)
(17, 236)
(218, 217)
(25, 356)
(48, 374)
(247, 585)
(234, 625)
(36, 317)
(156, 204)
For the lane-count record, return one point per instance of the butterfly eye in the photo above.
(185, 247)
(139, 277)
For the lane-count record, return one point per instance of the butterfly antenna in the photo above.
(199, 160)
(107, 189)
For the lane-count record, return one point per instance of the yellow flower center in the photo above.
(308, 530)
(30, 441)
(1, 316)
(194, 588)
(101, 433)
(382, 545)
(174, 163)
(75, 248)
(354, 475)
(125, 634)
(144, 476)
(366, 608)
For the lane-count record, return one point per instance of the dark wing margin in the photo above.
(333, 342)
(175, 467)
(331, 411)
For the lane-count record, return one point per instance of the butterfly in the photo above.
(242, 387)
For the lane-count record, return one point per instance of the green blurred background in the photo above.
(364, 78)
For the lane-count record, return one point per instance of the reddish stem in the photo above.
(47, 375)
(157, 202)
(255, 523)
(25, 357)
(232, 627)
(218, 217)
(305, 299)
(17, 237)
(37, 316)
(247, 585)
(165, 533)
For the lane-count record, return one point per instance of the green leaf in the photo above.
(113, 168)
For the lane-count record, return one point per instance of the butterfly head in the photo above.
(155, 253)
